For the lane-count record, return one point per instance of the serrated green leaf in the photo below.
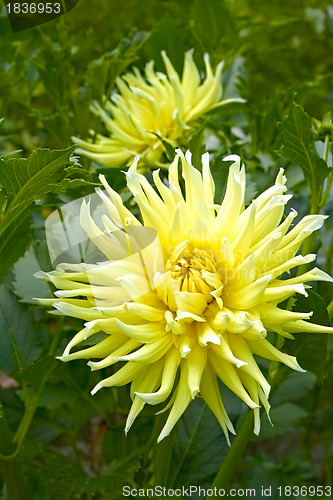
(298, 148)
(310, 348)
(22, 338)
(36, 371)
(13, 243)
(23, 181)
(60, 478)
(28, 179)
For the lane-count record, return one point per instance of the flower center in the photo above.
(189, 270)
(194, 271)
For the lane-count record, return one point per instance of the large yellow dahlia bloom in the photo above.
(193, 304)
(158, 103)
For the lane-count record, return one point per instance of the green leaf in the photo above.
(169, 149)
(22, 337)
(25, 180)
(102, 72)
(25, 285)
(214, 24)
(13, 242)
(60, 478)
(196, 146)
(310, 348)
(298, 148)
(38, 370)
(197, 453)
(296, 384)
(281, 424)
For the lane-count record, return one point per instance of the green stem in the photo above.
(327, 143)
(324, 196)
(31, 405)
(12, 473)
(234, 455)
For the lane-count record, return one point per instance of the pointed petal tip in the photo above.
(96, 389)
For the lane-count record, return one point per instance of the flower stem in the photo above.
(11, 468)
(234, 455)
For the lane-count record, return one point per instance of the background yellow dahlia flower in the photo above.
(156, 103)
(193, 304)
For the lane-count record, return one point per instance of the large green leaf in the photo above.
(298, 147)
(25, 285)
(57, 477)
(22, 338)
(23, 181)
(197, 453)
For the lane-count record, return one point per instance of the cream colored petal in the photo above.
(147, 333)
(145, 311)
(206, 334)
(100, 350)
(242, 242)
(221, 319)
(269, 217)
(241, 350)
(304, 326)
(313, 275)
(210, 392)
(249, 296)
(194, 303)
(299, 260)
(241, 322)
(228, 375)
(224, 351)
(171, 363)
(282, 228)
(150, 353)
(266, 350)
(273, 315)
(74, 311)
(123, 349)
(182, 400)
(123, 376)
(280, 293)
(309, 223)
(147, 382)
(253, 389)
(196, 365)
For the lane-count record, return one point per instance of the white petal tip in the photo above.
(96, 389)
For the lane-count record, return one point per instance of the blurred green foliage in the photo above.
(279, 57)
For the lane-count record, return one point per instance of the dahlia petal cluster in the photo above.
(156, 103)
(191, 306)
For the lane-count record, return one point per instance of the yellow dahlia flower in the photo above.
(189, 301)
(155, 104)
